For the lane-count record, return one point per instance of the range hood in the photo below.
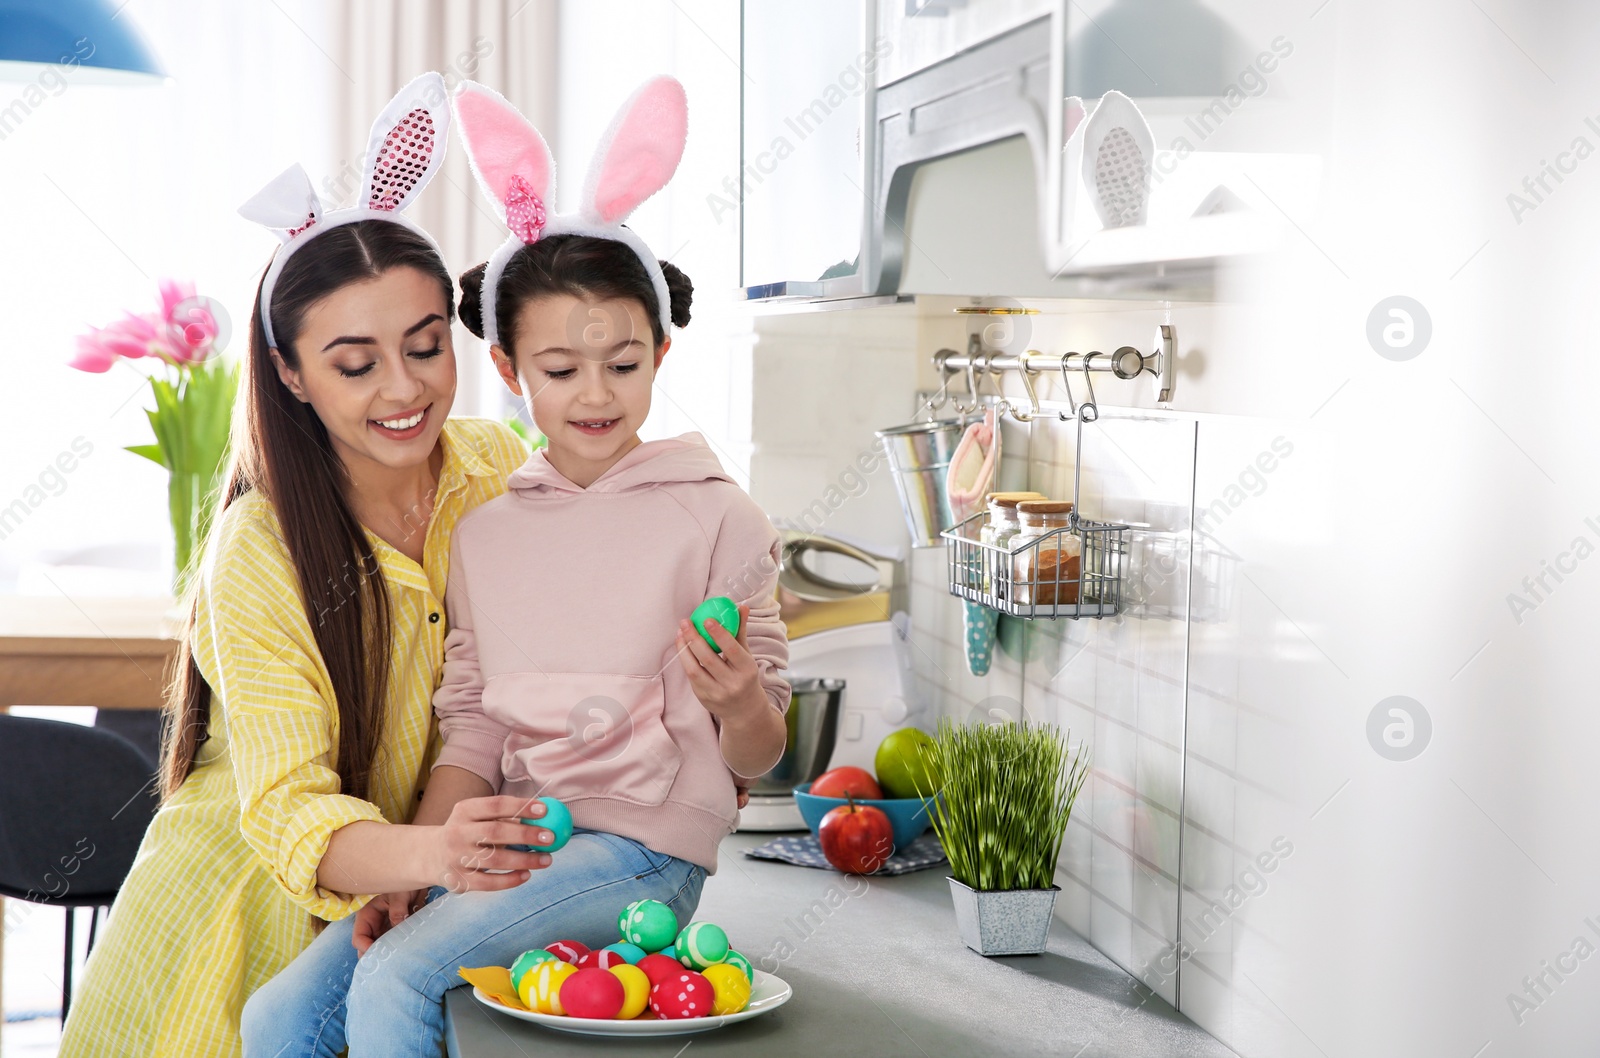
(961, 187)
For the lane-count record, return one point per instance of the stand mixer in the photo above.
(843, 604)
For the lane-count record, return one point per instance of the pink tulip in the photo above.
(92, 355)
(174, 292)
(191, 328)
(184, 331)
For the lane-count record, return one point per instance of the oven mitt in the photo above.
(968, 481)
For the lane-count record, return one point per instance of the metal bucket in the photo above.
(813, 720)
(919, 457)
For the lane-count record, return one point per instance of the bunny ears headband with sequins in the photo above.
(404, 150)
(635, 159)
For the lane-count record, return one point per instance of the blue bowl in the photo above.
(908, 816)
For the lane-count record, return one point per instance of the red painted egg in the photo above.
(568, 950)
(659, 967)
(601, 959)
(686, 995)
(593, 993)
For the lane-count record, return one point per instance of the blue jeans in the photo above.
(389, 1002)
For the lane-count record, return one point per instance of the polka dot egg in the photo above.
(688, 995)
(730, 988)
(651, 925)
(622, 919)
(701, 944)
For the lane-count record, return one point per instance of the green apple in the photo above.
(901, 766)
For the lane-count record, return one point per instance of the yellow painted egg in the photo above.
(635, 990)
(729, 986)
(541, 986)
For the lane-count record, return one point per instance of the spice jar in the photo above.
(1002, 524)
(1048, 573)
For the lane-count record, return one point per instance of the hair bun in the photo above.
(472, 298)
(679, 291)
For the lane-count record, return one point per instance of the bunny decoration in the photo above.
(404, 150)
(636, 157)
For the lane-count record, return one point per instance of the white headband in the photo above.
(404, 150)
(635, 159)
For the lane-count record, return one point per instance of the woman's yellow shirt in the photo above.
(223, 892)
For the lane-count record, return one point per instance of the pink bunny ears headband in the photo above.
(404, 150)
(635, 159)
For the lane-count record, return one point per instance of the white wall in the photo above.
(103, 190)
(1375, 550)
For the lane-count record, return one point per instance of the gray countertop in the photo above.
(878, 970)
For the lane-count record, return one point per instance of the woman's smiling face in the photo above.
(377, 366)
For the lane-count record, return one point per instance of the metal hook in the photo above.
(1027, 372)
(941, 397)
(1001, 405)
(1089, 411)
(972, 392)
(1066, 380)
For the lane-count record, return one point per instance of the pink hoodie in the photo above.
(561, 675)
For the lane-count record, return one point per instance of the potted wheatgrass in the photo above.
(1007, 794)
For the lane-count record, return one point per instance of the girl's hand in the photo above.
(728, 684)
(381, 914)
(472, 843)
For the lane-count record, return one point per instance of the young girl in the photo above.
(571, 670)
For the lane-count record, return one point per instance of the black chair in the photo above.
(74, 805)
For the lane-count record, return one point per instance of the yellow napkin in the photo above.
(494, 981)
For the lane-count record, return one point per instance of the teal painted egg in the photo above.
(720, 609)
(631, 953)
(651, 925)
(733, 958)
(525, 962)
(701, 944)
(557, 820)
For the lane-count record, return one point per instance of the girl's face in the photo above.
(585, 367)
(377, 366)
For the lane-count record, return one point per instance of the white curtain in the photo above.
(509, 45)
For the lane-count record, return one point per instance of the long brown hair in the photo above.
(281, 448)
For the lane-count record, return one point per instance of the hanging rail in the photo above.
(1125, 363)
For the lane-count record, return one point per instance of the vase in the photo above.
(1004, 921)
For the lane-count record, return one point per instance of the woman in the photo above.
(300, 725)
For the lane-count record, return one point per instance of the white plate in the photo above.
(768, 993)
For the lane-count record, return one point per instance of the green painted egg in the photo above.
(701, 944)
(651, 925)
(720, 609)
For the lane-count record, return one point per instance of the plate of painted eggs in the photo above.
(657, 980)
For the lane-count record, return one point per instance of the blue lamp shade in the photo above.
(90, 38)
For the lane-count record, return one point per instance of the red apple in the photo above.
(856, 839)
(847, 782)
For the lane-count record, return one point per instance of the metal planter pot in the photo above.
(1006, 921)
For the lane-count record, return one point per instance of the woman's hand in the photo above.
(471, 844)
(381, 914)
(728, 684)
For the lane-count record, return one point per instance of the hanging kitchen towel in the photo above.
(806, 851)
(968, 482)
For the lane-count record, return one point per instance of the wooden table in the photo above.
(108, 653)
